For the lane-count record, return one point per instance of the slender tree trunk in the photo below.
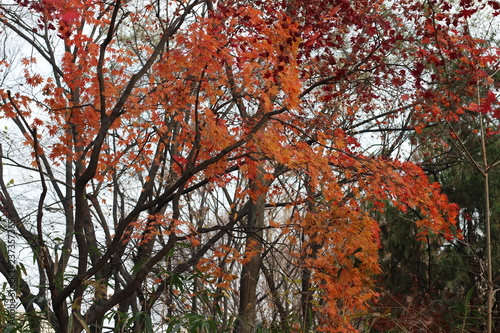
(251, 270)
(305, 300)
(306, 292)
(489, 273)
(489, 262)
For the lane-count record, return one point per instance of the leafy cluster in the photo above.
(224, 166)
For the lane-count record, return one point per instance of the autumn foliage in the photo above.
(211, 142)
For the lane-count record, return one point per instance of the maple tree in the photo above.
(186, 151)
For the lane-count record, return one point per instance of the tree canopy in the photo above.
(222, 166)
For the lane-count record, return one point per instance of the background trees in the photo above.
(437, 277)
(456, 277)
(206, 165)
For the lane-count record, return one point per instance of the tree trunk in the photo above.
(251, 270)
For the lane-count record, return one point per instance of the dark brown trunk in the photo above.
(251, 270)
